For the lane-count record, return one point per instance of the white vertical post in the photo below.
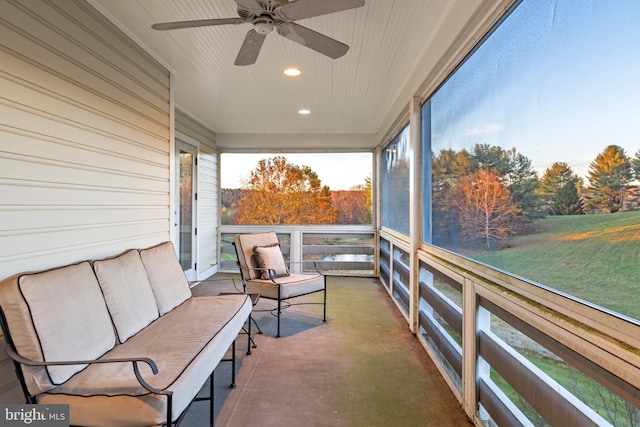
(415, 207)
(295, 250)
(473, 318)
(173, 205)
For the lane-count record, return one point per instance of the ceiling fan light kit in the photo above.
(263, 25)
(265, 15)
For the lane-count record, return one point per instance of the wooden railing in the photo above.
(515, 352)
(348, 250)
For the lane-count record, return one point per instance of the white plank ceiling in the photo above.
(394, 44)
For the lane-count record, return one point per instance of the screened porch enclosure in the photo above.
(527, 321)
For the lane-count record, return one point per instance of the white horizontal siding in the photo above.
(84, 142)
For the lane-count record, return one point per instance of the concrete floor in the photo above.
(361, 368)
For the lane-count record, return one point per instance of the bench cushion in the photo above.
(128, 293)
(57, 314)
(186, 344)
(168, 282)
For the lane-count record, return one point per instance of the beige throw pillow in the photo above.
(270, 258)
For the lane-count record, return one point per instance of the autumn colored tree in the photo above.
(354, 205)
(517, 173)
(514, 169)
(486, 210)
(229, 203)
(367, 189)
(609, 174)
(559, 188)
(447, 168)
(279, 192)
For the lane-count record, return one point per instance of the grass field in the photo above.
(593, 257)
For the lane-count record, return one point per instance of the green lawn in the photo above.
(593, 257)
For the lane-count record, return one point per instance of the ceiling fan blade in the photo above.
(313, 40)
(250, 5)
(302, 9)
(250, 48)
(198, 23)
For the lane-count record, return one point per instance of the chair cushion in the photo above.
(270, 257)
(290, 286)
(69, 316)
(168, 282)
(128, 293)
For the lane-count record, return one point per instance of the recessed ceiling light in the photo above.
(292, 71)
(304, 111)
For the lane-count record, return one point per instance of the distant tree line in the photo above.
(484, 194)
(490, 193)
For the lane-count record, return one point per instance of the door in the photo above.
(186, 214)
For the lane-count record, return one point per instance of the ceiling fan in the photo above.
(265, 15)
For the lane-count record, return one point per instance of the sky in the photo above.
(558, 80)
(340, 171)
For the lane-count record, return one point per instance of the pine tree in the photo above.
(609, 174)
(559, 188)
(635, 164)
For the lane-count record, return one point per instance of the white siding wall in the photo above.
(84, 141)
(207, 193)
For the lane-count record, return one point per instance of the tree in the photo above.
(353, 205)
(559, 188)
(229, 203)
(609, 174)
(279, 192)
(516, 172)
(485, 207)
(447, 168)
(366, 198)
(635, 164)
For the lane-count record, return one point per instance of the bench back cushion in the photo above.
(128, 293)
(168, 282)
(63, 316)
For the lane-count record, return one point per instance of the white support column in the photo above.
(295, 251)
(173, 206)
(415, 207)
(473, 318)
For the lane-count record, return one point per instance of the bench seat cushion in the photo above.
(186, 344)
(290, 286)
